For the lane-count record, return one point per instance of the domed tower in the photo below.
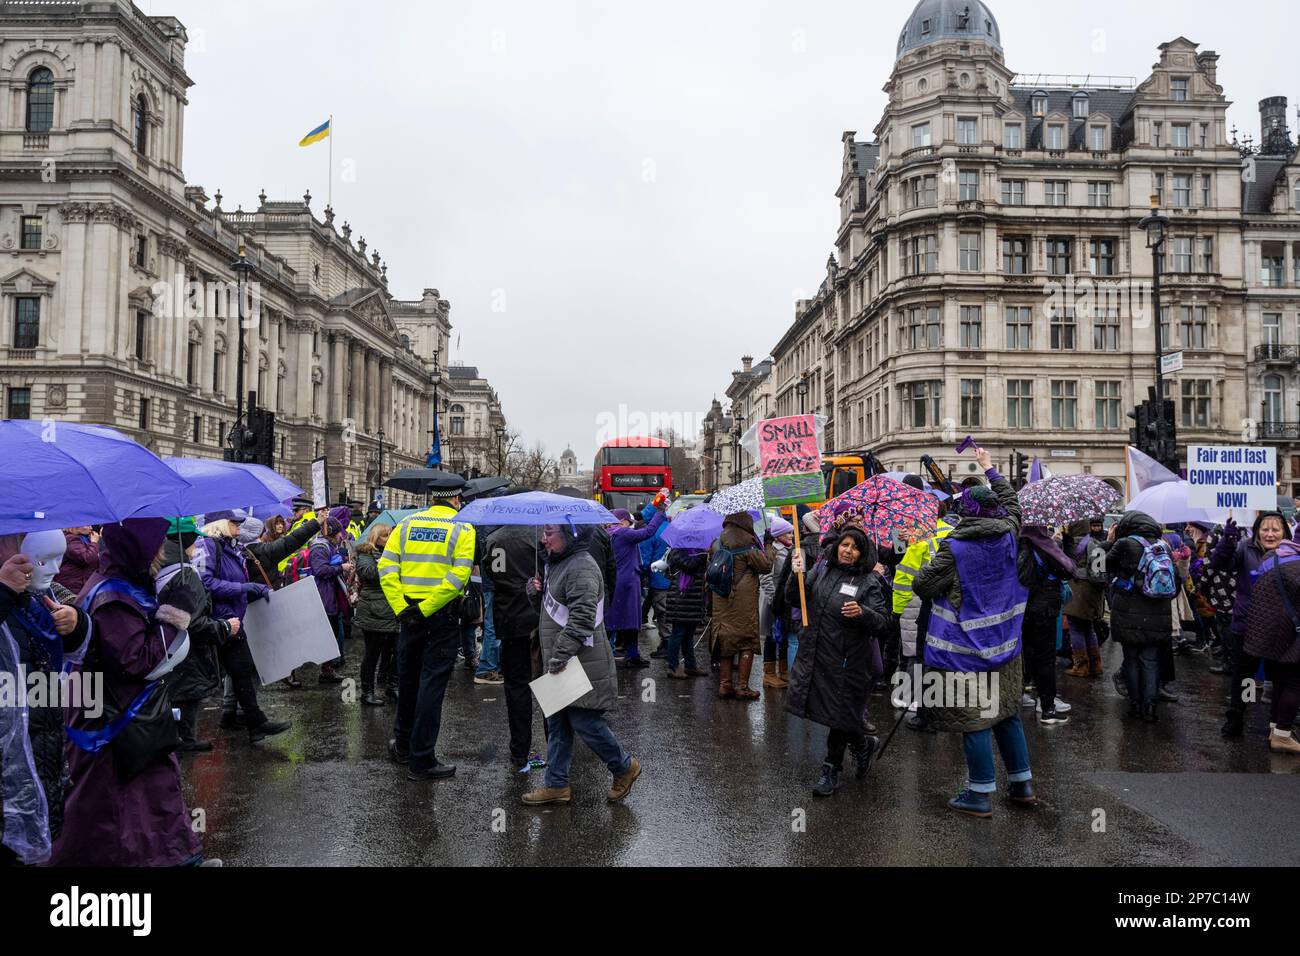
(568, 466)
(934, 21)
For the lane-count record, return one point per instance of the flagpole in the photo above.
(329, 198)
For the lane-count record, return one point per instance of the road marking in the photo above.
(489, 700)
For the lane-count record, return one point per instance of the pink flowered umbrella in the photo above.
(887, 510)
(1055, 502)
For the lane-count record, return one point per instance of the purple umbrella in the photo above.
(694, 530)
(218, 485)
(61, 475)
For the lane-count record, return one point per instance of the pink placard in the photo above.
(788, 446)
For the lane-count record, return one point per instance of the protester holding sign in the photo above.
(1243, 559)
(1273, 635)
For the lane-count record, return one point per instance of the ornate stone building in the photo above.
(118, 298)
(991, 276)
(473, 424)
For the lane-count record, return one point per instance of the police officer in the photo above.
(424, 573)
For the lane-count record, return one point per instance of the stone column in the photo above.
(335, 383)
(272, 398)
(303, 380)
(385, 419)
(354, 381)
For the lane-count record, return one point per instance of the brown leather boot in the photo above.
(782, 671)
(725, 689)
(1094, 662)
(769, 675)
(742, 681)
(1080, 668)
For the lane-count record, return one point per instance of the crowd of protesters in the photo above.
(158, 608)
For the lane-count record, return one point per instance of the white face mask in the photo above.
(46, 549)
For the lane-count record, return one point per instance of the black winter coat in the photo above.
(269, 555)
(197, 677)
(374, 614)
(688, 607)
(832, 671)
(1042, 576)
(1135, 619)
(600, 547)
(510, 561)
(44, 724)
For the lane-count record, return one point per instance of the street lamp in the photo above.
(501, 454)
(379, 472)
(1156, 227)
(242, 267)
(802, 391)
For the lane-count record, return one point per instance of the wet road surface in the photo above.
(730, 784)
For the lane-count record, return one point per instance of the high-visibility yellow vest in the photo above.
(308, 516)
(354, 529)
(429, 559)
(918, 556)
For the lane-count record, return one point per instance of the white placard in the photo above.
(288, 631)
(554, 692)
(1239, 477)
(320, 486)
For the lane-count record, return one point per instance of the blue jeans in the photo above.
(1010, 735)
(792, 643)
(489, 660)
(591, 727)
(681, 644)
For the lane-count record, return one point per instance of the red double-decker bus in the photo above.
(629, 472)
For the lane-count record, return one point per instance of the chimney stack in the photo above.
(1274, 139)
(1209, 64)
(748, 363)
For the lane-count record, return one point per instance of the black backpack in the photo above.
(721, 574)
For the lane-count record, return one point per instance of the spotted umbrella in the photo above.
(887, 510)
(746, 496)
(1055, 502)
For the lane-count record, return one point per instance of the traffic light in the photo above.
(261, 447)
(1156, 432)
(1022, 470)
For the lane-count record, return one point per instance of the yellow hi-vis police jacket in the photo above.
(918, 556)
(429, 559)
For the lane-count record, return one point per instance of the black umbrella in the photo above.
(480, 487)
(418, 480)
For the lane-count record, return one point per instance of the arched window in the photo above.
(406, 341)
(40, 101)
(1273, 390)
(140, 120)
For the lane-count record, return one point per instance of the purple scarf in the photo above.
(1046, 544)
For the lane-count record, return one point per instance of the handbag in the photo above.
(139, 736)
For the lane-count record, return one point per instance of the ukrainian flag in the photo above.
(319, 133)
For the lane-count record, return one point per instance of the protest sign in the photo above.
(288, 631)
(320, 486)
(1240, 478)
(790, 461)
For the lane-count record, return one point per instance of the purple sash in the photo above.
(985, 634)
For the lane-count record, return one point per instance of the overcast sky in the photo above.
(645, 189)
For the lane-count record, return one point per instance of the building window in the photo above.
(196, 435)
(1102, 257)
(1065, 404)
(40, 101)
(1272, 328)
(922, 191)
(925, 399)
(1272, 270)
(1182, 254)
(972, 327)
(920, 135)
(972, 403)
(1180, 136)
(1015, 255)
(27, 322)
(192, 364)
(1020, 403)
(1274, 389)
(1013, 192)
(141, 251)
(1080, 105)
(1157, 133)
(1099, 194)
(1040, 105)
(457, 426)
(141, 335)
(1105, 331)
(1056, 192)
(1205, 136)
(920, 255)
(1064, 330)
(1178, 89)
(1097, 138)
(216, 374)
(968, 252)
(144, 414)
(1193, 327)
(968, 185)
(1020, 328)
(1295, 196)
(31, 234)
(1055, 136)
(967, 130)
(140, 120)
(1196, 403)
(1160, 189)
(1059, 256)
(1011, 136)
(1182, 191)
(1108, 402)
(921, 328)
(20, 404)
(1205, 191)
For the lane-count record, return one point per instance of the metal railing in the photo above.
(1279, 431)
(1277, 353)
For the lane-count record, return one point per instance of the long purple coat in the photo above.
(329, 577)
(624, 612)
(224, 572)
(108, 823)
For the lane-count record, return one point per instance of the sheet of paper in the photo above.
(554, 692)
(288, 631)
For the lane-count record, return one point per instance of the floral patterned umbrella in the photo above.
(887, 510)
(1055, 502)
(746, 496)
